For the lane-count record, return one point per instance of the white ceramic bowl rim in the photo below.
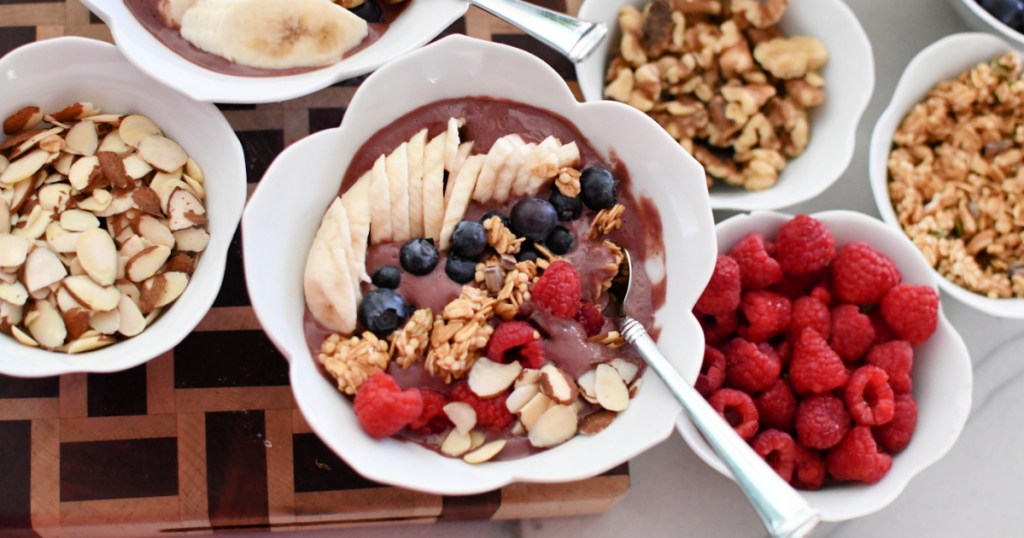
(982, 15)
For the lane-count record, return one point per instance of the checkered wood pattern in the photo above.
(206, 437)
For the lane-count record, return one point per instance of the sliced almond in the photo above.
(586, 384)
(136, 167)
(22, 337)
(134, 246)
(27, 143)
(147, 200)
(154, 231)
(121, 203)
(82, 171)
(25, 167)
(626, 369)
(134, 129)
(97, 203)
(64, 243)
(113, 169)
(556, 426)
(52, 144)
(192, 239)
(14, 293)
(107, 322)
(462, 415)
(91, 295)
(76, 320)
(456, 443)
(180, 263)
(20, 194)
(5, 217)
(485, 452)
(193, 170)
(529, 376)
(11, 313)
(635, 387)
(476, 439)
(610, 389)
(129, 289)
(40, 294)
(132, 320)
(55, 197)
(42, 269)
(47, 326)
(13, 250)
(22, 120)
(488, 379)
(184, 210)
(557, 385)
(146, 263)
(194, 187)
(34, 226)
(74, 112)
(113, 143)
(162, 153)
(98, 256)
(152, 316)
(529, 413)
(63, 163)
(595, 423)
(520, 397)
(76, 220)
(90, 342)
(82, 139)
(3, 163)
(67, 303)
(5, 276)
(162, 290)
(75, 267)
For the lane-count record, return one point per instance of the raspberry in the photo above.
(722, 294)
(778, 449)
(737, 409)
(883, 333)
(717, 329)
(821, 421)
(895, 436)
(822, 293)
(869, 396)
(757, 269)
(751, 367)
(490, 412)
(897, 359)
(590, 318)
(912, 312)
(809, 312)
(815, 368)
(857, 457)
(852, 333)
(768, 314)
(558, 290)
(785, 352)
(804, 245)
(516, 340)
(383, 408)
(795, 287)
(432, 420)
(712, 372)
(861, 275)
(777, 406)
(809, 473)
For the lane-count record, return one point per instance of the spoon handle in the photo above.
(784, 512)
(573, 38)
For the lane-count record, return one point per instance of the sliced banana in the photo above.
(328, 283)
(397, 167)
(173, 11)
(496, 158)
(357, 206)
(541, 153)
(508, 174)
(433, 187)
(461, 191)
(417, 145)
(451, 142)
(380, 203)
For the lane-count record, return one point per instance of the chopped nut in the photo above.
(760, 14)
(791, 57)
(568, 182)
(351, 362)
(410, 343)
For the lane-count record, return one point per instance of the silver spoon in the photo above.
(784, 512)
(574, 38)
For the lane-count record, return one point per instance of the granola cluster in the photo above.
(956, 180)
(352, 361)
(460, 334)
(722, 79)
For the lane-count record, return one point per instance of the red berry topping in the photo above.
(821, 421)
(737, 409)
(433, 419)
(722, 294)
(815, 368)
(383, 408)
(810, 313)
(883, 333)
(810, 469)
(852, 332)
(490, 412)
(857, 457)
(895, 436)
(532, 355)
(757, 269)
(804, 245)
(822, 294)
(516, 340)
(869, 396)
(777, 406)
(912, 312)
(897, 359)
(590, 318)
(768, 314)
(558, 290)
(718, 329)
(712, 372)
(778, 449)
(785, 352)
(795, 287)
(751, 367)
(861, 275)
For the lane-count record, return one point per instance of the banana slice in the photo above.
(174, 10)
(451, 143)
(272, 34)
(461, 192)
(510, 171)
(433, 187)
(523, 182)
(380, 203)
(331, 293)
(569, 155)
(357, 204)
(417, 145)
(544, 171)
(460, 159)
(495, 161)
(397, 167)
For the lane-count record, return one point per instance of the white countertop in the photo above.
(974, 491)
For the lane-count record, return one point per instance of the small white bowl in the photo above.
(942, 60)
(942, 369)
(849, 82)
(61, 71)
(275, 250)
(977, 18)
(418, 24)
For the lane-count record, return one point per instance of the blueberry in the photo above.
(597, 188)
(459, 269)
(419, 256)
(533, 218)
(527, 252)
(499, 214)
(369, 11)
(469, 239)
(560, 240)
(382, 311)
(1009, 12)
(388, 276)
(566, 207)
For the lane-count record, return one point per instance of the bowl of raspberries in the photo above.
(827, 350)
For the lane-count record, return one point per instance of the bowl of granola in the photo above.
(763, 94)
(449, 335)
(264, 51)
(118, 201)
(944, 165)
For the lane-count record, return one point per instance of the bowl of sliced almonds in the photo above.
(118, 200)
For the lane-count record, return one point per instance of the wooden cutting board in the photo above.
(206, 437)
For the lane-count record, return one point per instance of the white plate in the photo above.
(976, 17)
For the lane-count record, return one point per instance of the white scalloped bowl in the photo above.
(419, 23)
(977, 18)
(275, 252)
(942, 60)
(57, 72)
(942, 369)
(849, 81)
